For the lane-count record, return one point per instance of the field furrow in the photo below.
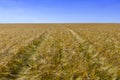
(31, 61)
(19, 60)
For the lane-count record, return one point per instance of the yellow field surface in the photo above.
(59, 51)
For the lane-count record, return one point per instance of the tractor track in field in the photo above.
(80, 39)
(76, 35)
(14, 66)
(89, 47)
(86, 49)
(31, 61)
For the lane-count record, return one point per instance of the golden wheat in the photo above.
(60, 52)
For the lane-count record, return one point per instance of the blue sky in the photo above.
(59, 11)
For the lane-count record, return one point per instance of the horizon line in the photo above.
(64, 23)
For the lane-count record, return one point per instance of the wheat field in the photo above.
(59, 51)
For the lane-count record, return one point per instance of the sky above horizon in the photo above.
(59, 11)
